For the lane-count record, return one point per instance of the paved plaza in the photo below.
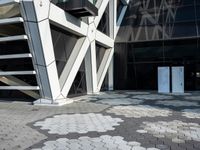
(121, 120)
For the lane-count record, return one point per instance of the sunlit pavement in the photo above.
(132, 120)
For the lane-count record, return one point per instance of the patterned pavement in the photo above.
(123, 120)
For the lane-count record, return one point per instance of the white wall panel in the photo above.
(163, 79)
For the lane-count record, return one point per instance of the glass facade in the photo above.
(63, 43)
(158, 33)
(100, 51)
(104, 22)
(79, 85)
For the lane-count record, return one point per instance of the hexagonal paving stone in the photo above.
(124, 101)
(78, 123)
(176, 130)
(139, 111)
(177, 103)
(136, 93)
(153, 97)
(191, 113)
(194, 98)
(104, 142)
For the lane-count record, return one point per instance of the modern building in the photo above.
(51, 50)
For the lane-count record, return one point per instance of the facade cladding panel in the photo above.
(157, 33)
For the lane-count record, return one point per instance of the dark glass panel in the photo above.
(146, 78)
(188, 2)
(186, 13)
(119, 7)
(29, 79)
(131, 53)
(100, 51)
(79, 85)
(197, 75)
(180, 50)
(148, 51)
(198, 50)
(176, 30)
(198, 12)
(104, 86)
(190, 76)
(63, 43)
(198, 15)
(104, 23)
(198, 28)
(131, 81)
(197, 2)
(24, 64)
(120, 66)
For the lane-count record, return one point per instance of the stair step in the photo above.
(11, 20)
(13, 56)
(19, 88)
(7, 2)
(9, 73)
(13, 38)
(13, 81)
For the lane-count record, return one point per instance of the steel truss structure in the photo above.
(37, 15)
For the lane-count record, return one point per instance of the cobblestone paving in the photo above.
(153, 97)
(191, 113)
(126, 101)
(139, 111)
(80, 123)
(176, 130)
(103, 142)
(196, 98)
(177, 103)
(142, 121)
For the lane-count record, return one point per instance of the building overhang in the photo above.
(79, 8)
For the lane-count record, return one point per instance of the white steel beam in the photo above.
(67, 21)
(104, 40)
(11, 20)
(13, 38)
(75, 52)
(8, 73)
(73, 64)
(37, 26)
(111, 75)
(13, 56)
(112, 29)
(11, 80)
(91, 69)
(104, 66)
(125, 2)
(120, 19)
(101, 10)
(19, 88)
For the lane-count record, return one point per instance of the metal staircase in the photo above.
(17, 73)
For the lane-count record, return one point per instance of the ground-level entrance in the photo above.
(171, 79)
(136, 64)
